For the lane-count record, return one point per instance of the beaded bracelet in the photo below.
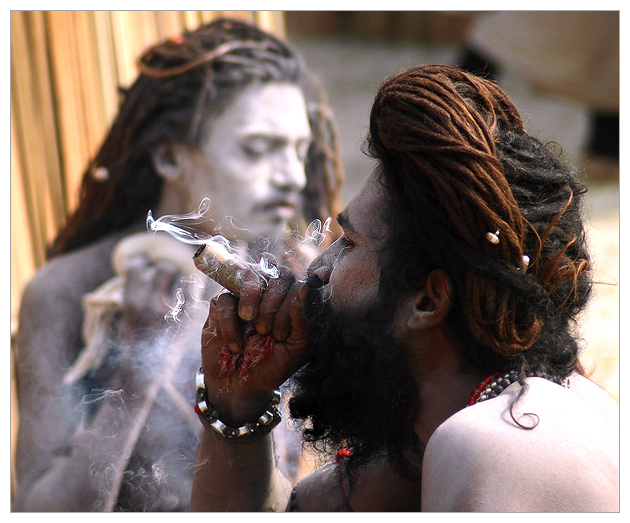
(210, 417)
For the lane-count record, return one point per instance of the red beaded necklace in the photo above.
(492, 386)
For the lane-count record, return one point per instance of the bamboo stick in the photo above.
(74, 149)
(173, 358)
(25, 106)
(104, 52)
(91, 83)
(51, 191)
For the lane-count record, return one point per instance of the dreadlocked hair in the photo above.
(180, 80)
(457, 163)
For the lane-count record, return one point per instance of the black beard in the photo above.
(356, 391)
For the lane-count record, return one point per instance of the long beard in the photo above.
(356, 391)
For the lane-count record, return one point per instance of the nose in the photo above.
(322, 266)
(289, 173)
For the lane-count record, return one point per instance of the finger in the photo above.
(299, 329)
(163, 287)
(212, 316)
(254, 285)
(165, 276)
(211, 341)
(289, 315)
(275, 293)
(228, 322)
(135, 278)
(212, 327)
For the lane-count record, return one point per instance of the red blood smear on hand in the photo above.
(256, 348)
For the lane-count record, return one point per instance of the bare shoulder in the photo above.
(480, 459)
(77, 271)
(51, 307)
(48, 341)
(318, 492)
(378, 488)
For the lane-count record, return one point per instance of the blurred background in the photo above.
(67, 66)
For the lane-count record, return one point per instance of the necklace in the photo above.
(492, 386)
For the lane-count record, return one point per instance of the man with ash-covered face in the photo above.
(432, 347)
(109, 335)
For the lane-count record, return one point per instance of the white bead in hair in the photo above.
(524, 264)
(493, 237)
(100, 174)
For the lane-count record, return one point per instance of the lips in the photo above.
(284, 207)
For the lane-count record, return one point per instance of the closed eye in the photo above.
(346, 243)
(256, 147)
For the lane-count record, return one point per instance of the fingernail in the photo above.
(234, 347)
(247, 312)
(261, 328)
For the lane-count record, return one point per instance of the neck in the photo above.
(444, 388)
(171, 201)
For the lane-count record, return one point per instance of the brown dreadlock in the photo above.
(180, 80)
(457, 164)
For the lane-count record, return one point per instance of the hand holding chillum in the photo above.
(257, 328)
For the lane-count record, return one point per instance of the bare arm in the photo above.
(65, 460)
(243, 476)
(79, 479)
(49, 340)
(233, 476)
(238, 477)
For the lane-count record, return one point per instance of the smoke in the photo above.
(139, 429)
(316, 233)
(144, 454)
(267, 269)
(97, 396)
(130, 426)
(177, 307)
(180, 226)
(142, 433)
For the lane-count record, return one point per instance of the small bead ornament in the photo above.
(493, 237)
(492, 386)
(524, 264)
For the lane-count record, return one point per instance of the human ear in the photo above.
(166, 161)
(432, 303)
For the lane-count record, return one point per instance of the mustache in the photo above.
(313, 282)
(286, 200)
(317, 311)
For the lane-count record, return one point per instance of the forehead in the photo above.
(275, 108)
(364, 213)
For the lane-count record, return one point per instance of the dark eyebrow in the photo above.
(344, 221)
